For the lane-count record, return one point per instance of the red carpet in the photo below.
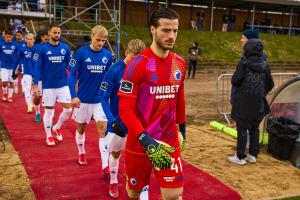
(55, 174)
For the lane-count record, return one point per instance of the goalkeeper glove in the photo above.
(182, 137)
(118, 129)
(157, 151)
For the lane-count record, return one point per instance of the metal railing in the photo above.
(58, 12)
(224, 91)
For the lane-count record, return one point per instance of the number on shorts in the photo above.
(174, 166)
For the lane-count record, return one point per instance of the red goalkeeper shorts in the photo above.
(138, 171)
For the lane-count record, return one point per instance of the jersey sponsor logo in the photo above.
(177, 75)
(164, 92)
(72, 62)
(8, 51)
(56, 59)
(88, 60)
(126, 86)
(104, 60)
(103, 86)
(49, 52)
(169, 178)
(63, 51)
(96, 68)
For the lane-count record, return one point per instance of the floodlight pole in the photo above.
(212, 15)
(253, 16)
(291, 21)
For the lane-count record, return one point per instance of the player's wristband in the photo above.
(145, 139)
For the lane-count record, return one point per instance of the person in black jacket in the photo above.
(253, 81)
(194, 52)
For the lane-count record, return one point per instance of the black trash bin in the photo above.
(282, 136)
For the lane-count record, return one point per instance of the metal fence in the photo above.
(224, 91)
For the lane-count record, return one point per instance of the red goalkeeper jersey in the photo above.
(152, 98)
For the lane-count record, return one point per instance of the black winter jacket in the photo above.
(253, 80)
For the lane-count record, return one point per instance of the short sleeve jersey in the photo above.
(89, 68)
(156, 83)
(25, 58)
(8, 54)
(51, 63)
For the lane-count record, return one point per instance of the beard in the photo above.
(56, 39)
(163, 45)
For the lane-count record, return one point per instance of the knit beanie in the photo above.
(251, 34)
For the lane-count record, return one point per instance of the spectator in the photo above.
(225, 20)
(231, 21)
(253, 81)
(19, 6)
(193, 25)
(200, 20)
(42, 5)
(194, 52)
(10, 6)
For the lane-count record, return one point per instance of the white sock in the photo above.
(27, 94)
(64, 115)
(47, 119)
(113, 169)
(37, 109)
(80, 140)
(10, 92)
(103, 152)
(4, 90)
(22, 84)
(144, 194)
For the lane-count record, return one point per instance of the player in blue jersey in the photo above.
(8, 52)
(25, 60)
(20, 41)
(41, 39)
(88, 67)
(116, 137)
(51, 62)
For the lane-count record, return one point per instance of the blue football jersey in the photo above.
(51, 63)
(8, 55)
(89, 68)
(25, 59)
(109, 93)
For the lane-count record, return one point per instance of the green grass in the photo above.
(219, 47)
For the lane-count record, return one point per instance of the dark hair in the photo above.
(166, 13)
(39, 35)
(8, 33)
(196, 43)
(53, 25)
(19, 32)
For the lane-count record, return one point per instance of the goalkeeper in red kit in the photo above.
(152, 106)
